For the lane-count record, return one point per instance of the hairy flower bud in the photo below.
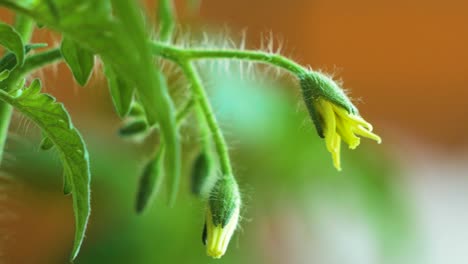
(222, 216)
(333, 114)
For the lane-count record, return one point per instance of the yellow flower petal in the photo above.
(344, 128)
(343, 113)
(366, 133)
(329, 123)
(218, 237)
(336, 152)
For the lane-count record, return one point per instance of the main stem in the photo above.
(200, 94)
(25, 27)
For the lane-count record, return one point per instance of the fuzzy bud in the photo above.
(222, 216)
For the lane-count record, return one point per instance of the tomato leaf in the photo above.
(79, 60)
(56, 125)
(11, 40)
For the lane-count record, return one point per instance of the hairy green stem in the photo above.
(32, 63)
(181, 54)
(25, 27)
(166, 19)
(202, 99)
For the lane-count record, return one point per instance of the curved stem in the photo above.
(180, 54)
(202, 99)
(32, 63)
(166, 19)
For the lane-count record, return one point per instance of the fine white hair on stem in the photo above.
(208, 39)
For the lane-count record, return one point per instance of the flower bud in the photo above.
(150, 182)
(333, 114)
(222, 216)
(134, 127)
(203, 174)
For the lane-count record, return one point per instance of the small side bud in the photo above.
(150, 182)
(134, 127)
(222, 216)
(203, 174)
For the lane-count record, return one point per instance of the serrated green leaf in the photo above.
(115, 30)
(11, 40)
(121, 92)
(55, 123)
(79, 60)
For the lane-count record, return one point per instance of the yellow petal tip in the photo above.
(214, 253)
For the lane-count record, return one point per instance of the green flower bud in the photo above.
(203, 174)
(222, 216)
(333, 114)
(134, 127)
(150, 182)
(315, 86)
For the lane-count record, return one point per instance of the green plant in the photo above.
(114, 30)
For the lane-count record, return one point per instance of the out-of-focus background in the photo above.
(406, 65)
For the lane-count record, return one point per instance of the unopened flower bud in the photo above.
(203, 174)
(222, 216)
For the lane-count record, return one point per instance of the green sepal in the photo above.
(315, 86)
(223, 200)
